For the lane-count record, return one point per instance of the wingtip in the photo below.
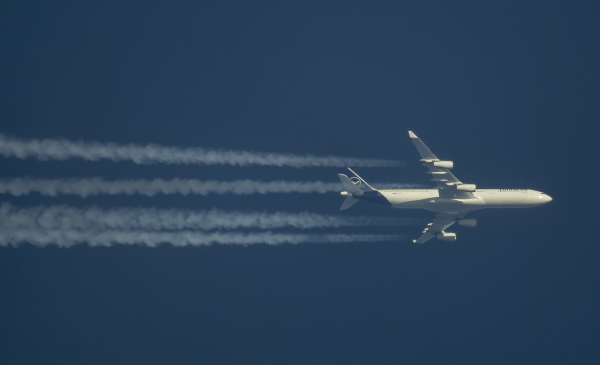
(412, 135)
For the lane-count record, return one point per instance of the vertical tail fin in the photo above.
(358, 189)
(354, 185)
(355, 179)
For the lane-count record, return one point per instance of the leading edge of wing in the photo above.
(441, 175)
(425, 152)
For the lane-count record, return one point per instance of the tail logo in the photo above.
(356, 181)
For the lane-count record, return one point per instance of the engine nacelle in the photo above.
(471, 222)
(446, 236)
(444, 164)
(466, 187)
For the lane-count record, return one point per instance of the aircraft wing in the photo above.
(438, 226)
(445, 180)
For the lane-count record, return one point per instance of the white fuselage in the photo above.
(485, 198)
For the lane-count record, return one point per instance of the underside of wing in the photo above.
(424, 238)
(437, 228)
(449, 186)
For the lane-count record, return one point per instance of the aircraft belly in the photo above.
(407, 200)
(408, 205)
(442, 205)
(496, 199)
(375, 197)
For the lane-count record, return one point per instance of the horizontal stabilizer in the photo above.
(350, 201)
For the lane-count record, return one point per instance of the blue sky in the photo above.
(508, 91)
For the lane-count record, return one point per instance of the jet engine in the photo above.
(466, 187)
(444, 164)
(471, 222)
(446, 236)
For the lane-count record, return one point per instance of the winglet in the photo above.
(412, 135)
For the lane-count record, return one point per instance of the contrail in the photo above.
(60, 217)
(61, 238)
(95, 186)
(61, 149)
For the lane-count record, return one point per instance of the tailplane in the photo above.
(350, 201)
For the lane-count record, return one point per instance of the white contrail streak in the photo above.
(61, 238)
(60, 149)
(60, 217)
(95, 186)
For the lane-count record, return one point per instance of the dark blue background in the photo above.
(508, 90)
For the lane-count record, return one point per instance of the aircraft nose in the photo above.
(548, 198)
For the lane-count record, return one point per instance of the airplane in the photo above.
(450, 199)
